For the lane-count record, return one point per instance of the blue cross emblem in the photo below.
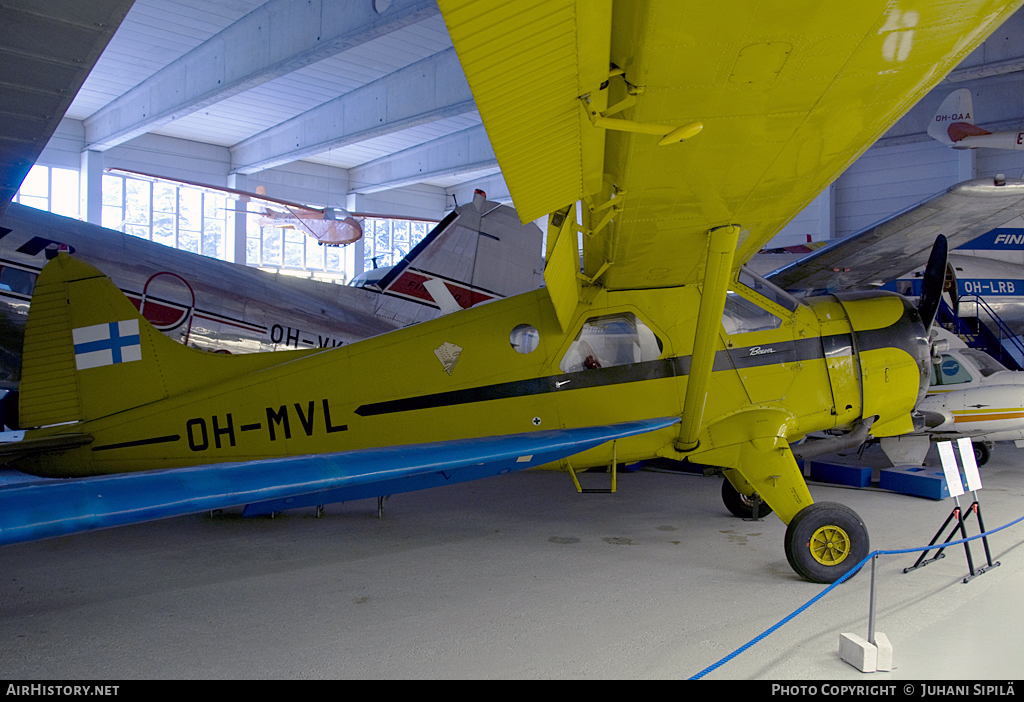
(107, 344)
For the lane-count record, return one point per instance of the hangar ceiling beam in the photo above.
(986, 70)
(276, 38)
(39, 76)
(461, 152)
(428, 90)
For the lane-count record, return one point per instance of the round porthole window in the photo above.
(524, 338)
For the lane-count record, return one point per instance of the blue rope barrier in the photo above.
(846, 576)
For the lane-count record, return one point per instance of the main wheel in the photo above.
(825, 540)
(741, 505)
(981, 453)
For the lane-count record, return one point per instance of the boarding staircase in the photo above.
(986, 332)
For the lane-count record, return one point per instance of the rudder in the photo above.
(80, 330)
(954, 119)
(89, 354)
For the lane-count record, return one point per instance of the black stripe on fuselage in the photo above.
(139, 442)
(744, 357)
(634, 372)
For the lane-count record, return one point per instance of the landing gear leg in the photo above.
(743, 506)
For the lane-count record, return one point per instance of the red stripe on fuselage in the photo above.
(411, 285)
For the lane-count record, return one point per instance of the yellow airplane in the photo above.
(690, 136)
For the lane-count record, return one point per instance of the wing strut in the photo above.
(561, 274)
(721, 248)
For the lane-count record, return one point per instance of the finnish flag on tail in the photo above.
(107, 344)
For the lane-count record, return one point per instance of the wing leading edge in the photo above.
(888, 249)
(41, 510)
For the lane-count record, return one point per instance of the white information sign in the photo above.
(950, 468)
(970, 465)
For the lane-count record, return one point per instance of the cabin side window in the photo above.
(611, 340)
(17, 280)
(949, 371)
(524, 338)
(743, 315)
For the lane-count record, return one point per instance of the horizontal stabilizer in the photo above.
(37, 511)
(19, 446)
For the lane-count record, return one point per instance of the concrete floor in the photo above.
(511, 577)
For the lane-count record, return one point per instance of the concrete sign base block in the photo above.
(865, 656)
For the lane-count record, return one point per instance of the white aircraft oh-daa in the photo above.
(955, 125)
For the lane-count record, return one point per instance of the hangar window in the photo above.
(181, 217)
(611, 340)
(387, 241)
(292, 252)
(524, 338)
(51, 189)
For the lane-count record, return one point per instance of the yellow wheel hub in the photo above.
(830, 545)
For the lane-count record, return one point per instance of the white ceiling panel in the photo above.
(152, 35)
(380, 147)
(272, 110)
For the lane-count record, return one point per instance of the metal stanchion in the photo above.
(871, 604)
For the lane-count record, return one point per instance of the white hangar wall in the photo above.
(888, 179)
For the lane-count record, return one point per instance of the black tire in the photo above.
(741, 505)
(981, 453)
(825, 540)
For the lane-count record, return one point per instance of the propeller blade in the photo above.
(952, 289)
(934, 280)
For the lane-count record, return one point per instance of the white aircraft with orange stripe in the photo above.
(971, 395)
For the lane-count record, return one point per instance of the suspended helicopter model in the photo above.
(658, 347)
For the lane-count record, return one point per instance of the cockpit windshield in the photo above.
(743, 315)
(985, 363)
(769, 290)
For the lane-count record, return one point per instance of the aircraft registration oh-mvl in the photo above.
(657, 347)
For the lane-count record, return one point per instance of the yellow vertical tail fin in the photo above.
(89, 354)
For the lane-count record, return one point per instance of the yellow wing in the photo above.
(580, 96)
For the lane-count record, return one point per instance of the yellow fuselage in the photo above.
(824, 365)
